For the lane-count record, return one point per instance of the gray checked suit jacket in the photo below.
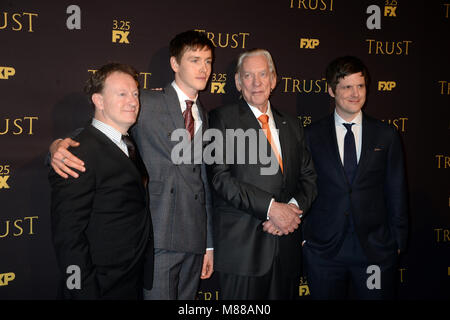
(180, 198)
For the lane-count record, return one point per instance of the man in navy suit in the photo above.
(357, 225)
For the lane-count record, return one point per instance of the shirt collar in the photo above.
(106, 129)
(258, 113)
(182, 97)
(339, 121)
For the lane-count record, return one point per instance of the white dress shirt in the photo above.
(113, 134)
(341, 131)
(182, 97)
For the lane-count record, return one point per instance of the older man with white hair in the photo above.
(257, 215)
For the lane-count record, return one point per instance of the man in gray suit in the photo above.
(180, 200)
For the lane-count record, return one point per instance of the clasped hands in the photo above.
(283, 219)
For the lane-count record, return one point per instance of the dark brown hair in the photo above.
(190, 39)
(344, 66)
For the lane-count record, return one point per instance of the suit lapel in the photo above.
(283, 135)
(117, 153)
(173, 107)
(201, 112)
(333, 149)
(246, 117)
(248, 121)
(366, 145)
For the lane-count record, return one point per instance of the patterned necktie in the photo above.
(188, 118)
(264, 119)
(350, 161)
(134, 156)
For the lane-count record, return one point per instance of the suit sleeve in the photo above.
(208, 192)
(307, 178)
(71, 208)
(396, 191)
(209, 208)
(242, 196)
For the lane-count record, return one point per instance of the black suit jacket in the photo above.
(376, 200)
(101, 222)
(242, 196)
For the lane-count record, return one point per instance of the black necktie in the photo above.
(130, 146)
(134, 156)
(188, 118)
(350, 162)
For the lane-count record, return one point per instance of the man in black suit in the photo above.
(357, 226)
(180, 199)
(257, 209)
(101, 223)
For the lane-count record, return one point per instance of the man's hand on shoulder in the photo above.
(62, 160)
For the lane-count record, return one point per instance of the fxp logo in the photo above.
(6, 72)
(306, 43)
(6, 278)
(386, 85)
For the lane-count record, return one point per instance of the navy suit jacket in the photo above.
(376, 200)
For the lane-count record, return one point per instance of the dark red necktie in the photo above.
(188, 118)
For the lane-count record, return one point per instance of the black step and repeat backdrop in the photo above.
(48, 49)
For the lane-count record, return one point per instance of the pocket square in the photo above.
(377, 149)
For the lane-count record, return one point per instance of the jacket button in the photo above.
(196, 197)
(193, 170)
(171, 190)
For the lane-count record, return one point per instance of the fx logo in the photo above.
(6, 72)
(389, 11)
(122, 36)
(5, 278)
(386, 85)
(218, 87)
(374, 20)
(3, 183)
(303, 289)
(309, 43)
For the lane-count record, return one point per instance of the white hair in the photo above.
(256, 52)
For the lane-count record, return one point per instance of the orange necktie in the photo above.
(264, 118)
